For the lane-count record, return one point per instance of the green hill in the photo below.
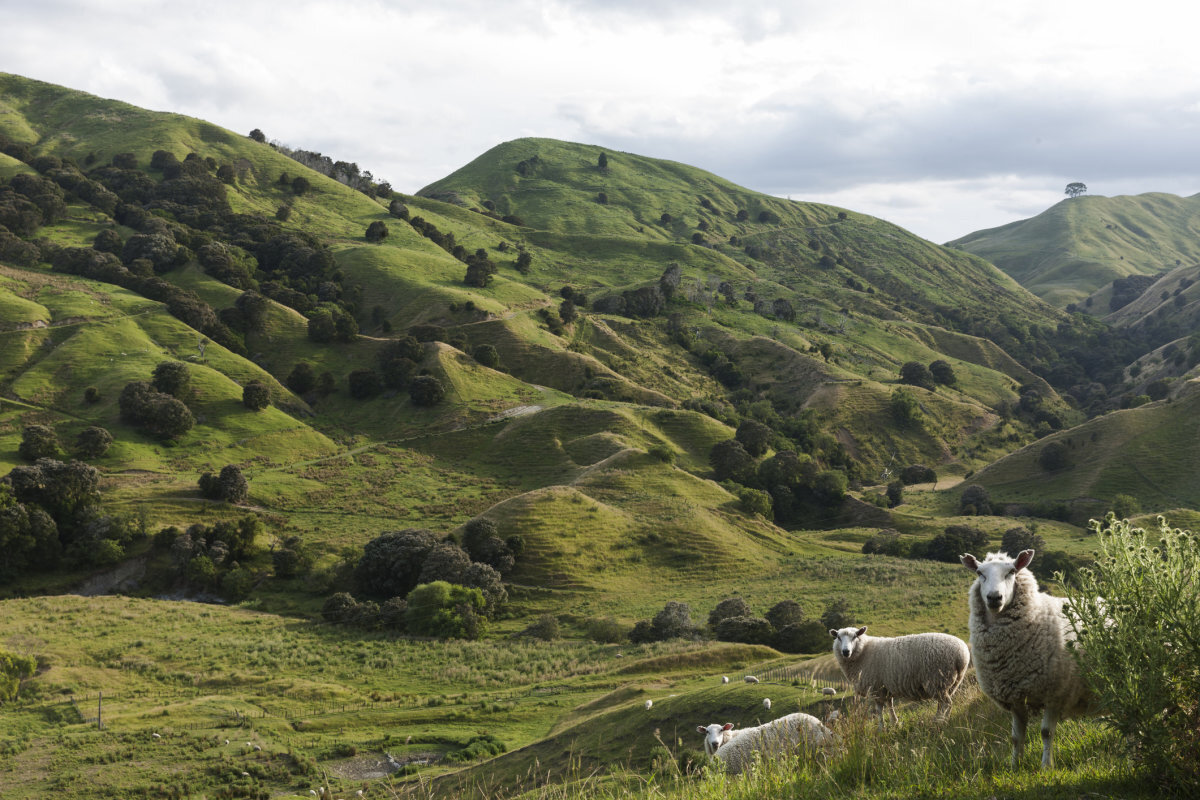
(577, 366)
(1079, 245)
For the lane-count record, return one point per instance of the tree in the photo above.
(229, 485)
(173, 378)
(426, 390)
(602, 161)
(377, 231)
(93, 442)
(746, 629)
(445, 562)
(300, 185)
(895, 493)
(906, 409)
(1021, 538)
(837, 615)
(754, 436)
(445, 610)
(784, 613)
(942, 372)
(67, 492)
(302, 379)
(258, 135)
(486, 355)
(729, 607)
(37, 441)
(730, 461)
(975, 500)
(256, 395)
(364, 383)
(391, 562)
(915, 373)
(1075, 189)
(673, 622)
(1054, 456)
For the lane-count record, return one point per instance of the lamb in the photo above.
(736, 749)
(1020, 640)
(921, 666)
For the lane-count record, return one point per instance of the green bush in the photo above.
(1137, 615)
(13, 669)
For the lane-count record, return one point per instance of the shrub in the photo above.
(445, 610)
(784, 613)
(802, 637)
(426, 390)
(1136, 615)
(605, 630)
(1125, 506)
(37, 441)
(917, 473)
(886, 543)
(942, 372)
(1054, 456)
(256, 396)
(729, 607)
(391, 562)
(755, 501)
(748, 630)
(544, 627)
(228, 485)
(377, 231)
(339, 608)
(13, 669)
(364, 383)
(486, 355)
(906, 409)
(173, 378)
(837, 615)
(975, 500)
(673, 622)
(915, 373)
(93, 442)
(895, 493)
(754, 436)
(302, 379)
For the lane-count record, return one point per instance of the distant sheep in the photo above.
(922, 666)
(767, 703)
(737, 749)
(750, 679)
(1019, 638)
(724, 679)
(649, 704)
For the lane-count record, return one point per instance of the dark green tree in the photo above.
(942, 372)
(730, 461)
(377, 231)
(729, 607)
(784, 613)
(915, 373)
(754, 436)
(975, 500)
(673, 622)
(392, 561)
(486, 355)
(256, 395)
(173, 378)
(302, 379)
(37, 441)
(93, 442)
(426, 390)
(364, 384)
(1075, 189)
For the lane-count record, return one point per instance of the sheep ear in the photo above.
(833, 633)
(1023, 559)
(861, 631)
(969, 562)
(727, 726)
(701, 729)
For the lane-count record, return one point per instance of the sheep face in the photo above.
(846, 642)
(714, 736)
(997, 577)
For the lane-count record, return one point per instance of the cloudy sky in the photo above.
(944, 116)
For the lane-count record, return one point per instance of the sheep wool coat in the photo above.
(1021, 655)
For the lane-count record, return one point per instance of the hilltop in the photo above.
(1080, 245)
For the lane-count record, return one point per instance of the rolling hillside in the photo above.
(1080, 245)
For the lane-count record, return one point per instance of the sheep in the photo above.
(750, 679)
(649, 704)
(724, 679)
(1020, 640)
(921, 666)
(767, 703)
(736, 749)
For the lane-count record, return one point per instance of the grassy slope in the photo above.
(611, 531)
(1079, 245)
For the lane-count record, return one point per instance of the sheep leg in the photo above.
(879, 708)
(1019, 719)
(892, 708)
(1049, 723)
(943, 712)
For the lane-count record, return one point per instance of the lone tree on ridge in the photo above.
(1075, 189)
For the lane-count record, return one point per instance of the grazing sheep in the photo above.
(922, 666)
(1019, 640)
(649, 703)
(736, 749)
(750, 679)
(724, 679)
(767, 703)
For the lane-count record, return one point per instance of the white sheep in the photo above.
(736, 749)
(649, 703)
(724, 679)
(1019, 640)
(921, 666)
(750, 679)
(767, 703)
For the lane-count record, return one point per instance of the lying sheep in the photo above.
(922, 666)
(1019, 639)
(737, 749)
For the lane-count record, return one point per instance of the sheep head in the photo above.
(997, 577)
(847, 641)
(715, 735)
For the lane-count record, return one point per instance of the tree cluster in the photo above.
(157, 413)
(229, 485)
(210, 556)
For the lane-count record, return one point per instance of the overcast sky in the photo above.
(943, 116)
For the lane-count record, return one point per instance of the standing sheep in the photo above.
(1019, 639)
(922, 666)
(736, 749)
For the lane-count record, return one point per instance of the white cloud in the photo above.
(913, 109)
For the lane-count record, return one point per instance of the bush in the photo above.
(803, 637)
(1054, 456)
(445, 610)
(748, 630)
(1125, 506)
(37, 441)
(784, 613)
(391, 562)
(1136, 615)
(544, 627)
(364, 383)
(302, 379)
(229, 485)
(975, 500)
(755, 501)
(917, 473)
(729, 607)
(256, 396)
(173, 378)
(605, 630)
(93, 442)
(486, 355)
(673, 622)
(426, 390)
